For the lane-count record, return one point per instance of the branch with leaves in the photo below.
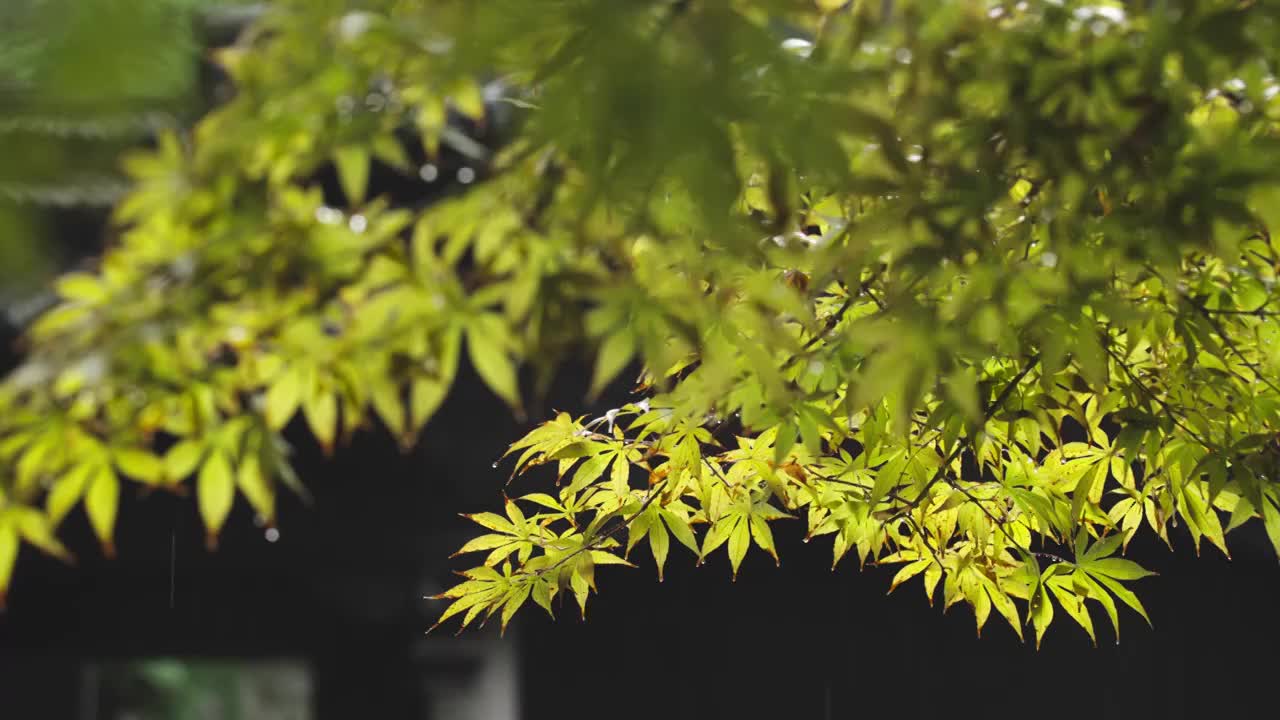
(993, 381)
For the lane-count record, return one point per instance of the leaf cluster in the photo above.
(980, 290)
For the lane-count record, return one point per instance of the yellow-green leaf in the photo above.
(1041, 613)
(385, 397)
(8, 556)
(425, 397)
(257, 487)
(739, 540)
(138, 464)
(517, 598)
(615, 352)
(488, 354)
(182, 459)
(102, 501)
(659, 544)
(321, 410)
(67, 491)
(283, 397)
(352, 164)
(215, 493)
(36, 528)
(909, 571)
(763, 536)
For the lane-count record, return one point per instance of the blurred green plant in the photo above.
(81, 81)
(173, 689)
(980, 289)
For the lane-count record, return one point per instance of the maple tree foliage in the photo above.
(978, 289)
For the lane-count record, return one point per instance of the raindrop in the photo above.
(799, 46)
(328, 215)
(184, 266)
(466, 175)
(236, 334)
(272, 535)
(494, 465)
(345, 104)
(358, 223)
(995, 12)
(353, 25)
(1049, 259)
(375, 102)
(902, 55)
(428, 172)
(438, 45)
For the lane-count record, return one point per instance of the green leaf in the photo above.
(717, 535)
(139, 464)
(739, 541)
(1271, 521)
(8, 557)
(542, 596)
(36, 528)
(493, 521)
(257, 488)
(763, 536)
(283, 398)
(589, 471)
(1097, 593)
(215, 494)
(386, 401)
(1126, 596)
(1103, 548)
(659, 544)
(1117, 568)
(909, 571)
(352, 164)
(425, 397)
(680, 529)
(101, 502)
(67, 491)
(517, 598)
(1074, 607)
(1003, 605)
(615, 353)
(321, 410)
(484, 542)
(1041, 613)
(488, 353)
(182, 459)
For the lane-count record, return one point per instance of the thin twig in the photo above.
(1173, 414)
(1231, 345)
(599, 539)
(959, 447)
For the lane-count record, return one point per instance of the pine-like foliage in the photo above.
(981, 289)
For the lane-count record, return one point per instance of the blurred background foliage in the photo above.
(80, 82)
(199, 689)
